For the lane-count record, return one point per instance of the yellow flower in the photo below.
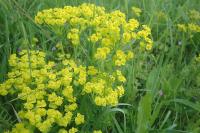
(100, 101)
(32, 117)
(21, 114)
(120, 90)
(120, 77)
(3, 91)
(102, 53)
(73, 35)
(97, 131)
(93, 38)
(130, 55)
(28, 105)
(45, 126)
(41, 103)
(120, 58)
(92, 70)
(99, 87)
(82, 75)
(68, 93)
(79, 119)
(73, 130)
(145, 32)
(54, 99)
(31, 98)
(148, 47)
(13, 60)
(194, 27)
(194, 14)
(41, 111)
(52, 76)
(64, 121)
(54, 84)
(88, 87)
(126, 37)
(137, 11)
(131, 25)
(59, 46)
(106, 42)
(182, 27)
(20, 128)
(71, 107)
(112, 98)
(55, 114)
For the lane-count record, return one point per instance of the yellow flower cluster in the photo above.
(47, 92)
(137, 11)
(102, 88)
(121, 58)
(194, 15)
(51, 92)
(20, 128)
(102, 53)
(73, 35)
(79, 119)
(108, 32)
(97, 131)
(191, 27)
(72, 130)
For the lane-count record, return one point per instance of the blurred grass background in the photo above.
(164, 92)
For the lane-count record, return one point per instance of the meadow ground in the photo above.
(110, 66)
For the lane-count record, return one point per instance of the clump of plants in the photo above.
(74, 93)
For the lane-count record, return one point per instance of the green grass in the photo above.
(162, 90)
